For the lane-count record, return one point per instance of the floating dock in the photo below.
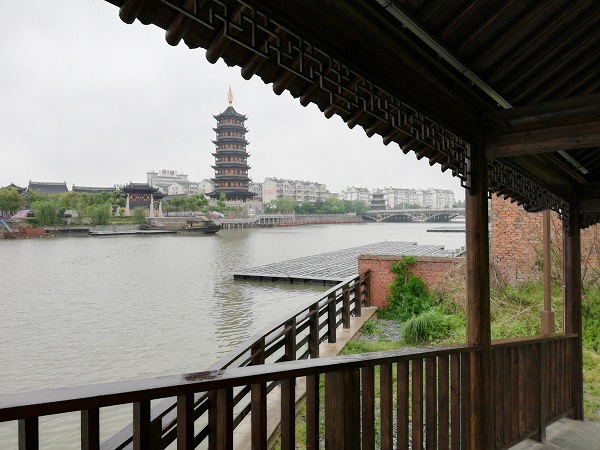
(332, 267)
(447, 230)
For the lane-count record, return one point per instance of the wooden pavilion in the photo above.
(505, 95)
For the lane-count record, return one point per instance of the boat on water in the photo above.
(195, 225)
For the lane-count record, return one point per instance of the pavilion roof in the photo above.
(437, 78)
(92, 189)
(47, 187)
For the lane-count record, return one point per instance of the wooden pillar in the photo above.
(478, 301)
(547, 313)
(572, 305)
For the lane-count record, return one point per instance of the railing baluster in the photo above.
(522, 390)
(224, 418)
(90, 429)
(507, 396)
(532, 397)
(29, 434)
(368, 408)
(386, 402)
(443, 403)
(367, 287)
(431, 402)
(141, 425)
(357, 299)
(342, 409)
(402, 392)
(312, 412)
(498, 381)
(345, 306)
(514, 380)
(313, 341)
(185, 421)
(417, 403)
(331, 322)
(288, 392)
(455, 408)
(258, 401)
(465, 400)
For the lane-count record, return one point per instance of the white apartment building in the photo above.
(352, 193)
(300, 191)
(426, 198)
(164, 178)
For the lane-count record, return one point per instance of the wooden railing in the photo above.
(532, 380)
(434, 381)
(407, 398)
(295, 336)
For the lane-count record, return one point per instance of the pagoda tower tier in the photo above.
(231, 158)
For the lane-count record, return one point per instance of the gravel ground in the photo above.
(384, 329)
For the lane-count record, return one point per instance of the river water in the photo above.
(81, 310)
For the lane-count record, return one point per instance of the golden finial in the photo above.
(230, 96)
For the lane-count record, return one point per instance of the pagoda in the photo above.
(231, 159)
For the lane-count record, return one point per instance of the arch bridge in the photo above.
(413, 215)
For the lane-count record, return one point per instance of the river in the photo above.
(80, 310)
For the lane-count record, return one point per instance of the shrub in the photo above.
(408, 293)
(432, 324)
(139, 215)
(100, 214)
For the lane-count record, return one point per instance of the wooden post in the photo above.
(342, 410)
(90, 429)
(478, 301)
(258, 395)
(547, 313)
(28, 430)
(572, 305)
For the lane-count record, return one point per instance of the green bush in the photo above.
(591, 321)
(430, 325)
(408, 294)
(100, 214)
(139, 215)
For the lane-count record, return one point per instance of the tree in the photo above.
(139, 215)
(176, 202)
(46, 213)
(10, 200)
(306, 208)
(101, 214)
(222, 199)
(333, 205)
(285, 204)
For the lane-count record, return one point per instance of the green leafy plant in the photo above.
(427, 326)
(139, 215)
(408, 293)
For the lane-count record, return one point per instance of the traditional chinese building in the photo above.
(231, 159)
(143, 195)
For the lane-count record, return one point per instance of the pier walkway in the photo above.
(333, 267)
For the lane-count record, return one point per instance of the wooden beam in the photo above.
(566, 111)
(567, 137)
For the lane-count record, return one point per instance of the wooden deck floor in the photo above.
(332, 267)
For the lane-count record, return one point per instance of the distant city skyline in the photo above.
(117, 100)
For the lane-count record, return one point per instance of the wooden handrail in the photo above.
(328, 306)
(526, 397)
(78, 398)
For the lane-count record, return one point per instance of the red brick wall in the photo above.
(431, 270)
(516, 243)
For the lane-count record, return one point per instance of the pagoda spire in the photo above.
(230, 96)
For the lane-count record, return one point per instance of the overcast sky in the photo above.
(90, 100)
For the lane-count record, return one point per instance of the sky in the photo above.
(92, 101)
